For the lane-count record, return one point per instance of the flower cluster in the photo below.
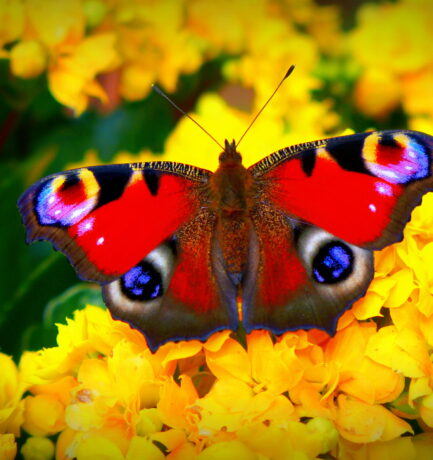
(365, 393)
(396, 60)
(109, 50)
(11, 407)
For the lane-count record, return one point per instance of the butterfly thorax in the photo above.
(231, 186)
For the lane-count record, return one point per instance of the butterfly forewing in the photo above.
(360, 188)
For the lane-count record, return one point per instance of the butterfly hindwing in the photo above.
(326, 204)
(190, 295)
(300, 276)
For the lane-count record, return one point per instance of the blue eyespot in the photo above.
(143, 282)
(333, 263)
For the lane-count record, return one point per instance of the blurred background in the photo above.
(75, 89)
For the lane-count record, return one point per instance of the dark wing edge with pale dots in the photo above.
(125, 227)
(333, 202)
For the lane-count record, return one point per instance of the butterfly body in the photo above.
(233, 190)
(175, 246)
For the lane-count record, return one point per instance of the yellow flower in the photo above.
(44, 415)
(418, 97)
(397, 449)
(155, 45)
(28, 59)
(38, 448)
(377, 93)
(11, 407)
(393, 36)
(304, 440)
(360, 376)
(359, 422)
(72, 76)
(208, 20)
(55, 23)
(11, 21)
(8, 446)
(324, 25)
(227, 449)
(391, 42)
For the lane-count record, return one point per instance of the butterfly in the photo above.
(174, 246)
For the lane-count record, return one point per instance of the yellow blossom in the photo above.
(11, 407)
(227, 449)
(28, 59)
(11, 21)
(402, 45)
(360, 422)
(55, 23)
(149, 422)
(324, 25)
(44, 415)
(8, 446)
(396, 449)
(38, 448)
(96, 446)
(359, 376)
(377, 93)
(208, 19)
(416, 86)
(140, 448)
(391, 42)
(72, 76)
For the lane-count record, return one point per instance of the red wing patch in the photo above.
(280, 273)
(117, 235)
(352, 206)
(360, 188)
(107, 218)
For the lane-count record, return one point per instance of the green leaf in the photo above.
(37, 336)
(74, 298)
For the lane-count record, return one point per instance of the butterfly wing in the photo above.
(191, 295)
(130, 228)
(331, 202)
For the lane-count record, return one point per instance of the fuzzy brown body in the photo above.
(232, 196)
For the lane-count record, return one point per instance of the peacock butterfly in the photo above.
(173, 245)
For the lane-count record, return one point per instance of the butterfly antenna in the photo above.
(161, 93)
(291, 68)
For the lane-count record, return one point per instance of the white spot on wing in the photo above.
(383, 189)
(85, 225)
